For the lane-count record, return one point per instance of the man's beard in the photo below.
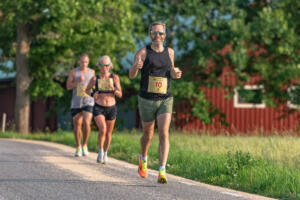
(157, 43)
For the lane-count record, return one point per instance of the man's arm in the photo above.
(70, 81)
(139, 59)
(175, 71)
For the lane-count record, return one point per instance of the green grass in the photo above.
(267, 166)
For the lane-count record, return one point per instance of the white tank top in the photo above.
(79, 98)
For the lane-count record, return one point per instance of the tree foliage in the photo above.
(62, 30)
(56, 33)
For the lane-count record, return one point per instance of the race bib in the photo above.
(81, 91)
(104, 84)
(157, 85)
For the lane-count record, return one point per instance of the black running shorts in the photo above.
(109, 112)
(75, 111)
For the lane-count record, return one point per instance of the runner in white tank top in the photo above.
(82, 103)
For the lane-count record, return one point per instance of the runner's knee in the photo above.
(102, 130)
(77, 123)
(87, 124)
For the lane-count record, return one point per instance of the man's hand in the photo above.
(81, 78)
(139, 64)
(176, 73)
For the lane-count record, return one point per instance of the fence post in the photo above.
(3, 122)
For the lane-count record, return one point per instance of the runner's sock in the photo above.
(144, 158)
(162, 168)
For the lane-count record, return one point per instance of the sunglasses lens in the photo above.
(104, 65)
(157, 32)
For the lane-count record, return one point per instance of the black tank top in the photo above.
(102, 85)
(157, 66)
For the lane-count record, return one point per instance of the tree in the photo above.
(50, 36)
(252, 37)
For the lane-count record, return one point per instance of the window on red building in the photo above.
(250, 96)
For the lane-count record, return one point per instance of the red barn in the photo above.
(243, 117)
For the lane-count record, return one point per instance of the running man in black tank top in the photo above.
(155, 100)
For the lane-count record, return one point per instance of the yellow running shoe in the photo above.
(143, 168)
(85, 151)
(162, 177)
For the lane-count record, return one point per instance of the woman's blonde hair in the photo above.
(105, 57)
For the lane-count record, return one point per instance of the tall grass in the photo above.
(263, 165)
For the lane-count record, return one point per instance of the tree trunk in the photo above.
(23, 80)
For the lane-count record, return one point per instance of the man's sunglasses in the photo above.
(104, 65)
(157, 32)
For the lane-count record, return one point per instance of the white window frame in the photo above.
(290, 104)
(236, 103)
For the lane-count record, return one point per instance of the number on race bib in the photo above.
(157, 85)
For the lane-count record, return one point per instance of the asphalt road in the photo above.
(42, 170)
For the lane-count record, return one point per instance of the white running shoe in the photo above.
(100, 158)
(104, 159)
